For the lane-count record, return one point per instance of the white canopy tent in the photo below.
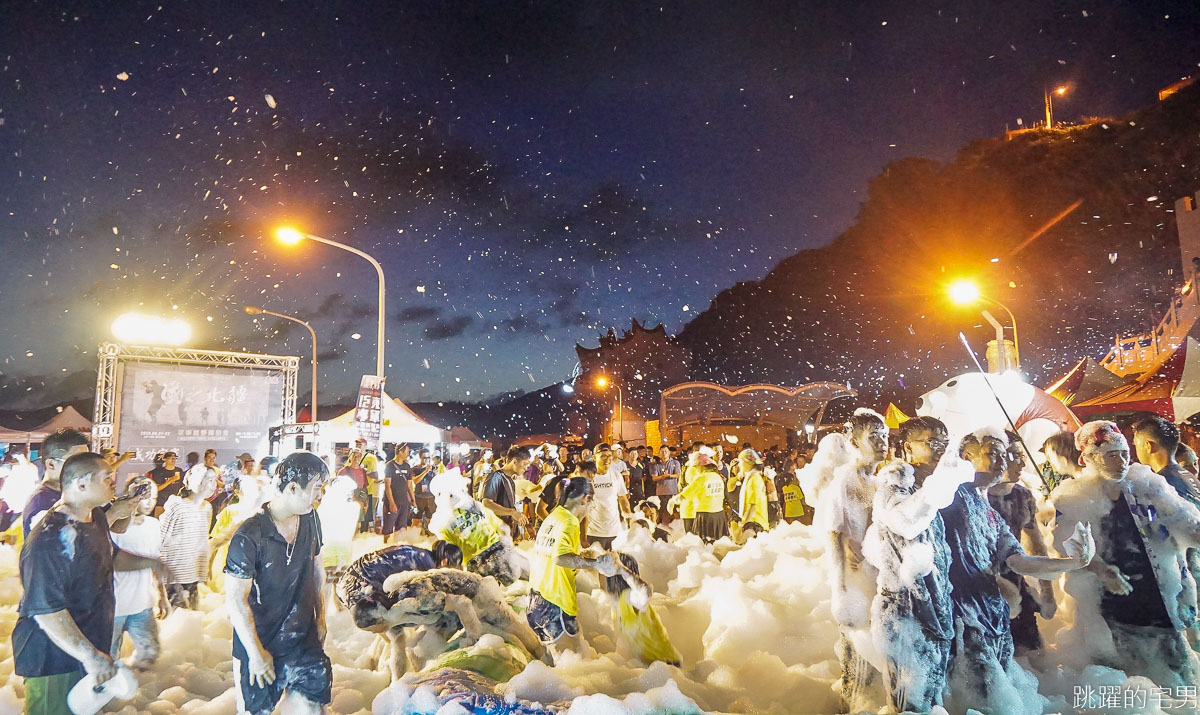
(400, 424)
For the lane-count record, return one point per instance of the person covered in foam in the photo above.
(361, 591)
(983, 673)
(843, 515)
(483, 538)
(1129, 612)
(912, 620)
(642, 633)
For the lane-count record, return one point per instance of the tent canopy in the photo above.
(68, 418)
(1086, 380)
(464, 435)
(893, 418)
(400, 424)
(1170, 388)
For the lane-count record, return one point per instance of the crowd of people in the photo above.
(940, 559)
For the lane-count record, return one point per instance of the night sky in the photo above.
(529, 174)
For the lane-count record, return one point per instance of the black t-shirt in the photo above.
(363, 581)
(502, 490)
(1125, 549)
(399, 473)
(160, 475)
(58, 573)
(550, 493)
(284, 597)
(42, 499)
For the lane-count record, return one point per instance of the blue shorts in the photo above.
(549, 621)
(304, 673)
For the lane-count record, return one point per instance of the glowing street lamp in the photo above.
(965, 292)
(1058, 91)
(291, 236)
(141, 329)
(255, 310)
(602, 382)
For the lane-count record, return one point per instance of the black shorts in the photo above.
(306, 673)
(710, 526)
(549, 621)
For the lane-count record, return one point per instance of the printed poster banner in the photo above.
(191, 408)
(368, 411)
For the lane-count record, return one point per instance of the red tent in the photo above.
(1086, 380)
(1152, 391)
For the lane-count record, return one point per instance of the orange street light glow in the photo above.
(1060, 91)
(602, 382)
(964, 292)
(289, 235)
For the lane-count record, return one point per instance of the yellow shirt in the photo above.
(687, 505)
(559, 535)
(473, 532)
(370, 465)
(647, 638)
(754, 499)
(793, 501)
(705, 491)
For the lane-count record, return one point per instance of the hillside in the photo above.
(869, 308)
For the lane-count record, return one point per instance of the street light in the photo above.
(1049, 95)
(255, 310)
(143, 329)
(965, 292)
(291, 236)
(603, 382)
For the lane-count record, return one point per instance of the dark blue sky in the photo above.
(529, 173)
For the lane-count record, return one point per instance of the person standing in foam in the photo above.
(844, 513)
(912, 619)
(1129, 612)
(984, 675)
(486, 547)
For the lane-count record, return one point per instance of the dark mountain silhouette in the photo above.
(870, 308)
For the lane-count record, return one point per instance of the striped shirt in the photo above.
(185, 547)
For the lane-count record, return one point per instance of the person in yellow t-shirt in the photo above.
(794, 506)
(642, 631)
(553, 604)
(705, 491)
(687, 505)
(752, 505)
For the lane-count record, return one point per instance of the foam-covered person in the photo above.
(1016, 503)
(1130, 606)
(642, 635)
(273, 587)
(360, 590)
(483, 538)
(843, 515)
(912, 621)
(752, 499)
(553, 600)
(983, 673)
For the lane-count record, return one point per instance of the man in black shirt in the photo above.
(397, 492)
(279, 631)
(169, 479)
(500, 493)
(66, 612)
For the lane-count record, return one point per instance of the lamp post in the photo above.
(292, 236)
(603, 382)
(255, 310)
(964, 292)
(1049, 98)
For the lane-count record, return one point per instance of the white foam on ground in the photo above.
(753, 626)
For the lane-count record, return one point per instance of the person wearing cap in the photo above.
(982, 547)
(553, 602)
(610, 503)
(168, 478)
(752, 501)
(705, 492)
(1130, 603)
(273, 589)
(184, 528)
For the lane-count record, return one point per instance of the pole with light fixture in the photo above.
(965, 292)
(603, 382)
(1049, 98)
(292, 236)
(255, 310)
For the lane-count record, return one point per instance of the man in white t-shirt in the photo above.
(610, 505)
(136, 591)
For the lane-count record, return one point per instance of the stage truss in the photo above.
(109, 374)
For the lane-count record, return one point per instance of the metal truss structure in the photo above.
(113, 356)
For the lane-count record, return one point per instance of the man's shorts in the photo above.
(304, 673)
(47, 695)
(549, 621)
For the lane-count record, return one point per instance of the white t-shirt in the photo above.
(604, 515)
(135, 589)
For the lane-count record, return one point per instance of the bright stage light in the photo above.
(139, 329)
